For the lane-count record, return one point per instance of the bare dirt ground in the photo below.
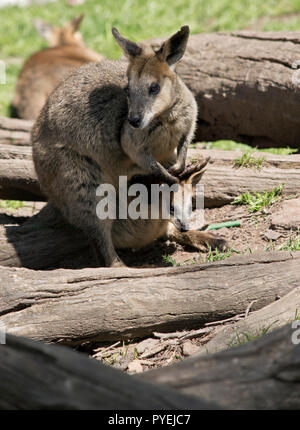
(138, 355)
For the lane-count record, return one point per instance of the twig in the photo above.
(100, 351)
(235, 318)
(249, 307)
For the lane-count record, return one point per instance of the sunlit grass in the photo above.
(257, 201)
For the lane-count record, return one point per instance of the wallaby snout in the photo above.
(135, 121)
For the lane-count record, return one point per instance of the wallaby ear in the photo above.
(130, 49)
(195, 177)
(74, 24)
(44, 29)
(173, 49)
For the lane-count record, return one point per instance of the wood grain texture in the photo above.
(263, 374)
(243, 84)
(264, 320)
(72, 306)
(37, 376)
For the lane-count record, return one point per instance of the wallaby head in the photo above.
(151, 76)
(68, 34)
(179, 203)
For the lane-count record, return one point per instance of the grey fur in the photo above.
(82, 139)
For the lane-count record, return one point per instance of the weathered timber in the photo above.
(72, 306)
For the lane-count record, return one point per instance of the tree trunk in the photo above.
(107, 304)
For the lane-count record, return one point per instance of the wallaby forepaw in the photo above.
(176, 169)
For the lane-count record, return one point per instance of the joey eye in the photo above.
(172, 209)
(126, 89)
(154, 88)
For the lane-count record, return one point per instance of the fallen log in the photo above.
(58, 378)
(263, 374)
(18, 180)
(243, 83)
(272, 316)
(222, 181)
(102, 304)
(15, 131)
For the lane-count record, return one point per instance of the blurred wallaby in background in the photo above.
(43, 71)
(113, 119)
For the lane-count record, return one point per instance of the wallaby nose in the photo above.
(184, 228)
(134, 121)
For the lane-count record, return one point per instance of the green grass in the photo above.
(231, 145)
(136, 19)
(167, 259)
(217, 255)
(227, 145)
(257, 201)
(248, 160)
(242, 338)
(11, 204)
(279, 151)
(291, 244)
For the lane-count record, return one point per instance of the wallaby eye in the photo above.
(154, 88)
(172, 209)
(126, 89)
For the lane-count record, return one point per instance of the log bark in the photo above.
(36, 376)
(15, 131)
(107, 304)
(18, 181)
(263, 374)
(222, 181)
(267, 319)
(243, 83)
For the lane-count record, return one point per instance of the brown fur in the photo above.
(82, 137)
(142, 232)
(42, 72)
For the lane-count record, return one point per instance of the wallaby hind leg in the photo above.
(99, 234)
(82, 214)
(196, 239)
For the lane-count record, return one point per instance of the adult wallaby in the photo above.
(108, 120)
(43, 70)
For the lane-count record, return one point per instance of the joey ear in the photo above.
(195, 177)
(130, 49)
(172, 50)
(74, 24)
(44, 29)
